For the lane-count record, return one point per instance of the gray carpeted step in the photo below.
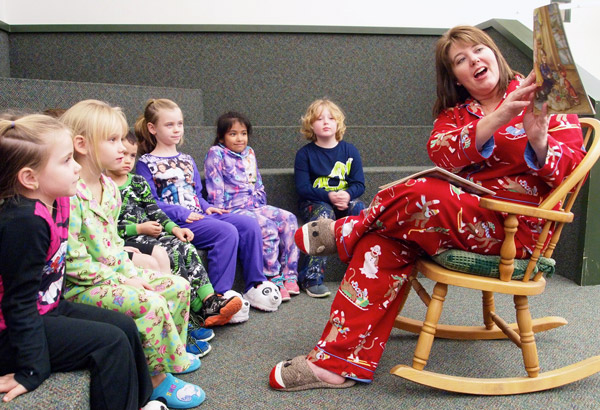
(38, 95)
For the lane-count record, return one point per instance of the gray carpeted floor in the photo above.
(234, 375)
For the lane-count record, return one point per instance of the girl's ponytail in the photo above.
(147, 141)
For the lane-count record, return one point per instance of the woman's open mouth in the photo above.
(480, 72)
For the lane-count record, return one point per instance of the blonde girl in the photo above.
(99, 271)
(40, 331)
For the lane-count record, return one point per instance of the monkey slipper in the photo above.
(316, 238)
(296, 375)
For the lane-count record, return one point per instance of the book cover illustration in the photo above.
(556, 73)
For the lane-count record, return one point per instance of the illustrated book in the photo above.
(558, 81)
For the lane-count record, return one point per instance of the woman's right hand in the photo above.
(512, 106)
(193, 216)
(11, 387)
(517, 101)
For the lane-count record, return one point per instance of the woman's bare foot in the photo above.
(325, 375)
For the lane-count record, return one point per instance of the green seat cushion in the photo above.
(487, 265)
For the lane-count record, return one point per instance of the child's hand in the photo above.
(183, 234)
(131, 249)
(138, 282)
(213, 210)
(193, 216)
(11, 387)
(150, 228)
(339, 199)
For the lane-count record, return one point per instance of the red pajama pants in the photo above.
(423, 215)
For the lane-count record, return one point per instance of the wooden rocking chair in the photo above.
(522, 332)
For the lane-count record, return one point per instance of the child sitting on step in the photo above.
(99, 272)
(329, 180)
(233, 182)
(40, 331)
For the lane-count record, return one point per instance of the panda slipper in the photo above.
(316, 238)
(296, 375)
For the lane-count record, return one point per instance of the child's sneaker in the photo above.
(199, 348)
(217, 310)
(178, 394)
(200, 333)
(244, 313)
(264, 296)
(285, 295)
(316, 238)
(317, 291)
(292, 287)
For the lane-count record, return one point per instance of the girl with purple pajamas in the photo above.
(234, 183)
(224, 235)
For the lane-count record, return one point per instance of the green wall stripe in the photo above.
(219, 28)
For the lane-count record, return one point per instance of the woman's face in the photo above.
(476, 68)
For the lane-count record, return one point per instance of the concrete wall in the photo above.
(4, 55)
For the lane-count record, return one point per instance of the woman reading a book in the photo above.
(486, 132)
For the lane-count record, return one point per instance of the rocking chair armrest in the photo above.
(526, 210)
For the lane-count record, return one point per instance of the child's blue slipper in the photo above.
(194, 364)
(178, 394)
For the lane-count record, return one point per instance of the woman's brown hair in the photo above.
(449, 93)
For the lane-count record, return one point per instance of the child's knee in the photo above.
(161, 256)
(145, 261)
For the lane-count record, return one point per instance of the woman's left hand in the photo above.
(536, 128)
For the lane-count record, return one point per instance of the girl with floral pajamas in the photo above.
(505, 148)
(234, 183)
(100, 273)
